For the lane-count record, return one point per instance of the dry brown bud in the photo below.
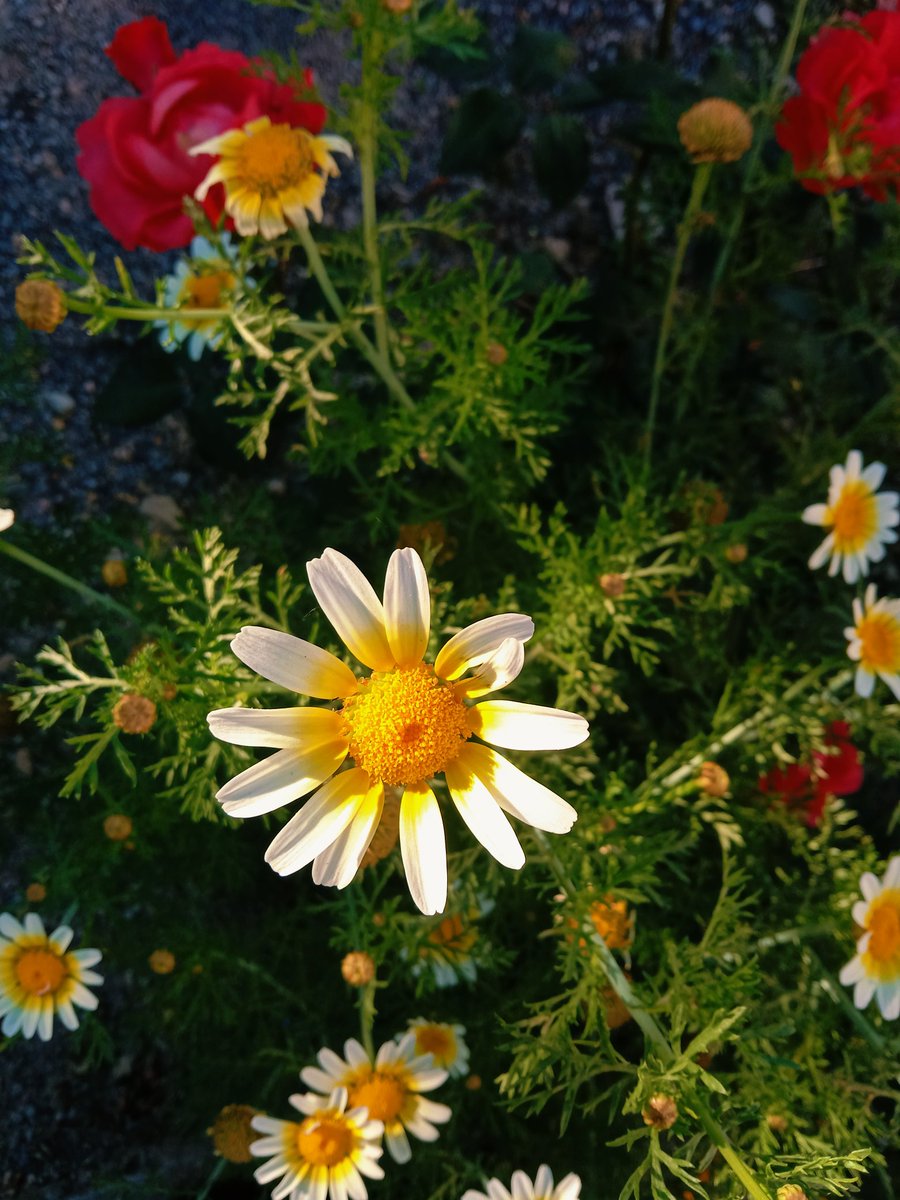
(776, 1122)
(114, 573)
(614, 1008)
(473, 1082)
(736, 553)
(715, 130)
(713, 780)
(162, 962)
(496, 354)
(117, 827)
(612, 585)
(232, 1133)
(661, 1112)
(358, 968)
(134, 713)
(35, 893)
(40, 305)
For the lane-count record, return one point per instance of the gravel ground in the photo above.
(53, 75)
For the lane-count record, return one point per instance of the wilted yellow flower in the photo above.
(232, 1133)
(358, 968)
(713, 780)
(114, 573)
(35, 893)
(134, 713)
(661, 1112)
(117, 827)
(611, 920)
(715, 130)
(40, 305)
(162, 962)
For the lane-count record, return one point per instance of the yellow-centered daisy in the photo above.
(875, 970)
(861, 522)
(273, 174)
(522, 1188)
(390, 1089)
(444, 1043)
(40, 977)
(874, 642)
(398, 727)
(323, 1156)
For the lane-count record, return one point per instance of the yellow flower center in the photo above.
(610, 918)
(854, 516)
(436, 1040)
(325, 1141)
(405, 725)
(274, 159)
(40, 972)
(882, 955)
(879, 634)
(383, 1095)
(206, 291)
(452, 937)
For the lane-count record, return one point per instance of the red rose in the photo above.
(807, 788)
(134, 152)
(843, 129)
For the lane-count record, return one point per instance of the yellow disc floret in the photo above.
(436, 1040)
(381, 1092)
(854, 516)
(882, 954)
(325, 1140)
(40, 972)
(275, 158)
(879, 635)
(405, 725)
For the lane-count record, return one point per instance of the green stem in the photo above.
(685, 230)
(367, 137)
(83, 590)
(719, 1139)
(211, 1179)
(367, 1016)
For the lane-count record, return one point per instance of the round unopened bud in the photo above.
(35, 893)
(162, 962)
(713, 780)
(791, 1191)
(358, 968)
(716, 131)
(134, 713)
(496, 354)
(117, 827)
(736, 553)
(40, 305)
(661, 1112)
(776, 1122)
(114, 573)
(473, 1082)
(232, 1133)
(397, 6)
(612, 585)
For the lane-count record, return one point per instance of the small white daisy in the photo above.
(40, 977)
(453, 947)
(522, 1188)
(390, 1089)
(205, 280)
(861, 522)
(874, 642)
(7, 518)
(444, 1043)
(875, 969)
(325, 1155)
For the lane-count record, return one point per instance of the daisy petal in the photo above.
(482, 814)
(472, 645)
(348, 601)
(423, 849)
(517, 726)
(281, 778)
(517, 793)
(275, 728)
(337, 865)
(503, 666)
(321, 820)
(294, 664)
(407, 607)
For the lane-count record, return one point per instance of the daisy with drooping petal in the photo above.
(324, 1155)
(273, 174)
(205, 280)
(522, 1188)
(875, 970)
(874, 642)
(390, 1089)
(860, 520)
(444, 1043)
(40, 977)
(400, 726)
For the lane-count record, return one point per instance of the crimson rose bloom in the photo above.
(843, 130)
(134, 152)
(807, 788)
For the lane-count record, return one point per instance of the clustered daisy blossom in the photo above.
(273, 174)
(399, 727)
(40, 977)
(522, 1188)
(875, 969)
(203, 281)
(860, 521)
(325, 1155)
(390, 1088)
(874, 642)
(444, 1043)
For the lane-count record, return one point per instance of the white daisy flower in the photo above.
(323, 1156)
(390, 1089)
(205, 280)
(40, 977)
(400, 726)
(453, 948)
(444, 1043)
(875, 969)
(7, 518)
(860, 521)
(874, 642)
(522, 1188)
